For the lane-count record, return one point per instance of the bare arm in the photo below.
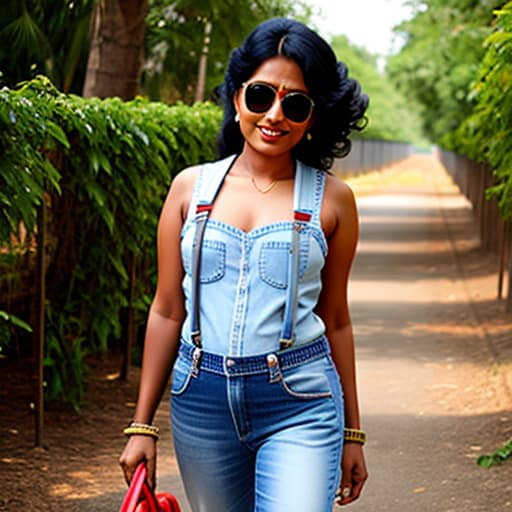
(340, 222)
(164, 323)
(343, 233)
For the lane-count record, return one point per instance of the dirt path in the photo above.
(434, 354)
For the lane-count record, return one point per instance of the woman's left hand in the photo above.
(354, 474)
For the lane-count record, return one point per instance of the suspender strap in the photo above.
(304, 206)
(202, 214)
(210, 180)
(290, 311)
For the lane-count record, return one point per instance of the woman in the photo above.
(254, 254)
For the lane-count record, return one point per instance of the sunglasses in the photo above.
(296, 106)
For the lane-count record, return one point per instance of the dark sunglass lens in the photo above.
(296, 107)
(259, 97)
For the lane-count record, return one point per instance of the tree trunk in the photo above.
(116, 54)
(201, 74)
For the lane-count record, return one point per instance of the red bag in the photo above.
(141, 498)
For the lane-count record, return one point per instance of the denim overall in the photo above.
(256, 403)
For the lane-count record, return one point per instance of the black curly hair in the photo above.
(340, 104)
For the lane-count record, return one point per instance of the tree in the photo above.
(441, 58)
(486, 135)
(186, 44)
(116, 52)
(44, 37)
(176, 36)
(391, 116)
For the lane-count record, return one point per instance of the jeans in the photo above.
(261, 433)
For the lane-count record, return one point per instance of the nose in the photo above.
(275, 112)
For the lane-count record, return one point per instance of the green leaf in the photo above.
(105, 163)
(118, 265)
(49, 361)
(57, 133)
(499, 38)
(485, 461)
(108, 218)
(96, 192)
(20, 323)
(52, 174)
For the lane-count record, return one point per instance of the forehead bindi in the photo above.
(282, 73)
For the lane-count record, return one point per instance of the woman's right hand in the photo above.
(139, 448)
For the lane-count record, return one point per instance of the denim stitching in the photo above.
(220, 268)
(305, 395)
(263, 262)
(318, 232)
(241, 297)
(319, 189)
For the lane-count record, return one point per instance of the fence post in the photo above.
(503, 240)
(508, 305)
(40, 326)
(130, 327)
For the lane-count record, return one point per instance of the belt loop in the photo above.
(274, 372)
(196, 362)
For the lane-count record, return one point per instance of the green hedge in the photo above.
(104, 168)
(486, 135)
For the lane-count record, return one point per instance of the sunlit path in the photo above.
(431, 393)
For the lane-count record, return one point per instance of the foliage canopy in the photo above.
(391, 115)
(44, 37)
(457, 62)
(176, 39)
(440, 58)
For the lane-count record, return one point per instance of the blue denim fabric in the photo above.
(257, 428)
(260, 434)
(244, 276)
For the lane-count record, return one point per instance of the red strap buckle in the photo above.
(203, 208)
(302, 216)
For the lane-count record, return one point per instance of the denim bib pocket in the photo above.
(213, 261)
(274, 260)
(308, 380)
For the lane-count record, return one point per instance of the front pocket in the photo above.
(308, 380)
(181, 375)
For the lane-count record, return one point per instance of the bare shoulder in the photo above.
(338, 206)
(337, 190)
(181, 189)
(185, 179)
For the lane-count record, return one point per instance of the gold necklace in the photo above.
(268, 188)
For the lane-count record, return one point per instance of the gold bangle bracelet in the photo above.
(135, 428)
(140, 431)
(354, 435)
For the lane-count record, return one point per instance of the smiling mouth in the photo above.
(271, 133)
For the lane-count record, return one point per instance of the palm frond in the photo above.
(24, 33)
